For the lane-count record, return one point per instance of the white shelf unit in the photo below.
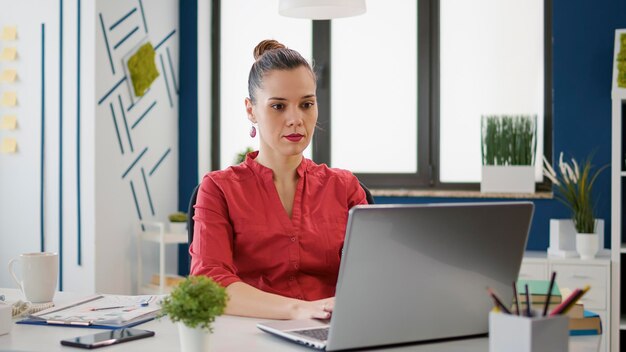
(575, 273)
(618, 178)
(155, 233)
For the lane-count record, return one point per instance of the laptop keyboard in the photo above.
(320, 334)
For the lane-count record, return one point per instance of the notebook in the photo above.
(417, 273)
(100, 312)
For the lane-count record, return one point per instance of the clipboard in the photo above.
(100, 312)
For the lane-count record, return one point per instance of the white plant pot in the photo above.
(563, 237)
(587, 245)
(178, 227)
(192, 339)
(507, 179)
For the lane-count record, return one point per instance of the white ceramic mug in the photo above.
(40, 272)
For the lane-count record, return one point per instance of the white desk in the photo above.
(231, 334)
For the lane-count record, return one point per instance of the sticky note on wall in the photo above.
(9, 99)
(8, 122)
(9, 75)
(8, 54)
(9, 145)
(9, 33)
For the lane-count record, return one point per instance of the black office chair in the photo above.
(194, 196)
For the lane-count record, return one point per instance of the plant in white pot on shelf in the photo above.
(178, 222)
(574, 187)
(508, 150)
(193, 305)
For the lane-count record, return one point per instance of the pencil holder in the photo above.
(513, 333)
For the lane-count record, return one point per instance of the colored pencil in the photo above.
(497, 302)
(529, 313)
(569, 302)
(516, 298)
(545, 306)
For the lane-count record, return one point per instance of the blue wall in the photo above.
(583, 35)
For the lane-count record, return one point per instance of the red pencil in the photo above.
(569, 301)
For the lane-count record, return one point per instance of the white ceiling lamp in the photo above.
(321, 9)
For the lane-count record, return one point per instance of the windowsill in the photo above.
(456, 194)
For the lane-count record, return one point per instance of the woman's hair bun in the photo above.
(266, 45)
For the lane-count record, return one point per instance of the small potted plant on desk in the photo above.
(178, 222)
(574, 186)
(193, 305)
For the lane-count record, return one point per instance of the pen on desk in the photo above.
(569, 302)
(105, 308)
(497, 302)
(516, 298)
(545, 306)
(529, 312)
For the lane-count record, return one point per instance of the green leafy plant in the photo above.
(142, 69)
(241, 157)
(195, 302)
(621, 62)
(574, 189)
(178, 217)
(508, 140)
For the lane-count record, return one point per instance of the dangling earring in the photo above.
(253, 131)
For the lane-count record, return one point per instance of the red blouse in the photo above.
(243, 233)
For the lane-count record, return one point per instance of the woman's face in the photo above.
(285, 111)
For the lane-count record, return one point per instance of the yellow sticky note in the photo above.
(9, 122)
(8, 54)
(9, 99)
(8, 75)
(9, 145)
(9, 33)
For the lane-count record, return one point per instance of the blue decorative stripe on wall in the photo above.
(117, 130)
(164, 39)
(122, 19)
(132, 188)
(154, 168)
(143, 115)
(126, 124)
(169, 60)
(126, 37)
(145, 182)
(187, 114)
(143, 16)
(60, 145)
(78, 212)
(134, 162)
(111, 90)
(42, 246)
(106, 43)
(167, 85)
(135, 103)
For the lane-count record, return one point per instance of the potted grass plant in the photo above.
(508, 147)
(193, 305)
(178, 222)
(574, 187)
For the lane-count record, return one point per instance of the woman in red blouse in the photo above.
(271, 229)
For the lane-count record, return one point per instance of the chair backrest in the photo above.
(194, 196)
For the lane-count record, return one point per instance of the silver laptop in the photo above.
(416, 273)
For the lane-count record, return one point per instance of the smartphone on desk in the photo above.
(107, 338)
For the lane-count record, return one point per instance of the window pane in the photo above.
(374, 89)
(244, 24)
(491, 62)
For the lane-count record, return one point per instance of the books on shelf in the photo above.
(538, 291)
(589, 324)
